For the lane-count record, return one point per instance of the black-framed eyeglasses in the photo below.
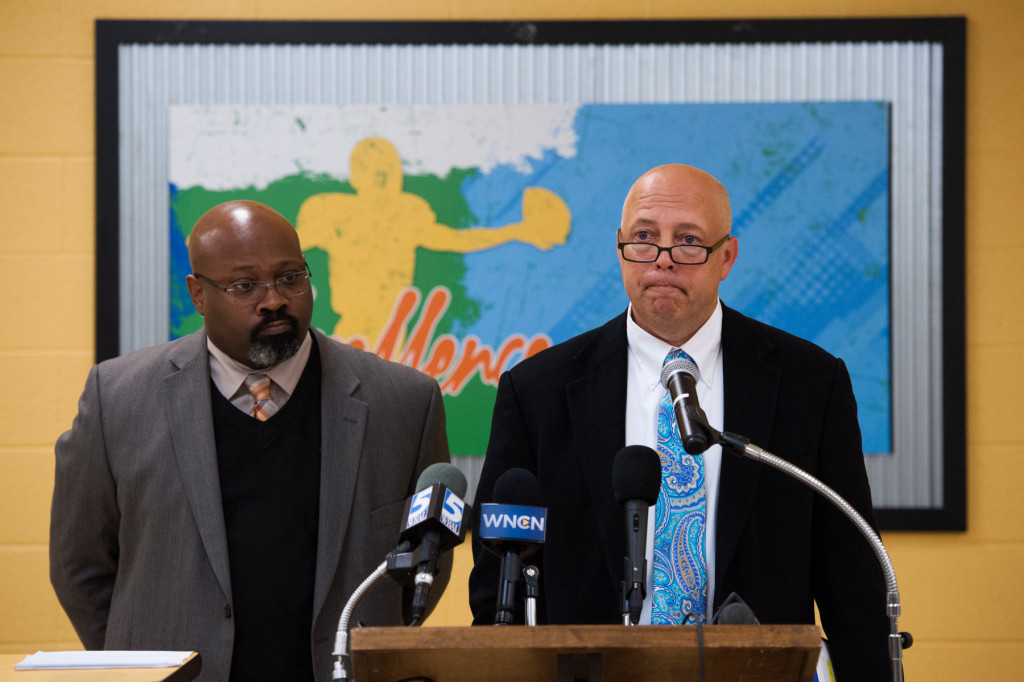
(250, 290)
(681, 254)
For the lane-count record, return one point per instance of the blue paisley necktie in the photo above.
(680, 574)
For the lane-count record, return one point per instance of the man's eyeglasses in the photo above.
(249, 290)
(681, 254)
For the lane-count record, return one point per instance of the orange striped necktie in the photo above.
(263, 408)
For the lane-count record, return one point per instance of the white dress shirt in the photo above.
(644, 393)
(229, 375)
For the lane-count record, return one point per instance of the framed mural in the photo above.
(457, 186)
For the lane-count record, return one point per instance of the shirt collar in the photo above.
(705, 347)
(229, 375)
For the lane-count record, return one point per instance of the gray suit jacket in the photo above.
(138, 550)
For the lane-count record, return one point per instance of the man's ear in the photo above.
(730, 251)
(195, 290)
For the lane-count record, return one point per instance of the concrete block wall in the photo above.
(959, 593)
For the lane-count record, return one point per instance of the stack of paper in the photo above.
(56, 660)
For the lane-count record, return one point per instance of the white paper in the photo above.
(56, 660)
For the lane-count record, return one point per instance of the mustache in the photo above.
(271, 317)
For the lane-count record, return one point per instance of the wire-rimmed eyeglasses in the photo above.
(249, 290)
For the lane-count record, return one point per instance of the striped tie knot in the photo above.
(263, 408)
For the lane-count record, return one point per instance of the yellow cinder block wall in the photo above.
(959, 591)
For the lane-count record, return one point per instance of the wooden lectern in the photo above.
(595, 653)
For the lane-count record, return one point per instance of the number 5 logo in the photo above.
(418, 507)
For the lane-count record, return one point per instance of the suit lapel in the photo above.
(343, 428)
(597, 410)
(190, 417)
(751, 390)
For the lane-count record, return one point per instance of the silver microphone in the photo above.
(679, 376)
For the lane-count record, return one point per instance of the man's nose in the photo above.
(664, 259)
(273, 300)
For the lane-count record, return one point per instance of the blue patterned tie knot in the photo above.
(679, 593)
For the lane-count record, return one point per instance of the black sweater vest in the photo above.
(270, 487)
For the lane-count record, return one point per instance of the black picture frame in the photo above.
(950, 32)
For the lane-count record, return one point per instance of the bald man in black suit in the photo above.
(564, 414)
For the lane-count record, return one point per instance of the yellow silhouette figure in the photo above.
(371, 236)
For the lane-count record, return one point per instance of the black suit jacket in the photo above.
(562, 415)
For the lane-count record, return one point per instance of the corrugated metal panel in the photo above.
(906, 74)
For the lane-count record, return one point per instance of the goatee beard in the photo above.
(267, 351)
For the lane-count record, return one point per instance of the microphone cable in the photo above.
(700, 651)
(700, 643)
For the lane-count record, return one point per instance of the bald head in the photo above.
(678, 182)
(676, 206)
(226, 226)
(234, 246)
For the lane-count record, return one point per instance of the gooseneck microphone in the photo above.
(741, 445)
(636, 478)
(693, 422)
(679, 376)
(432, 523)
(513, 527)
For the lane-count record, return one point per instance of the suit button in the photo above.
(227, 610)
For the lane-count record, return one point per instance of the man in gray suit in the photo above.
(191, 512)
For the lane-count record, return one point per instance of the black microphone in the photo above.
(734, 611)
(432, 524)
(513, 527)
(679, 376)
(636, 477)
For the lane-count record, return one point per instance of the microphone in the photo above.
(433, 524)
(680, 378)
(741, 445)
(636, 477)
(734, 611)
(512, 528)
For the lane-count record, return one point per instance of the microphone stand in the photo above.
(399, 564)
(531, 576)
(740, 445)
(632, 599)
(511, 569)
(343, 666)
